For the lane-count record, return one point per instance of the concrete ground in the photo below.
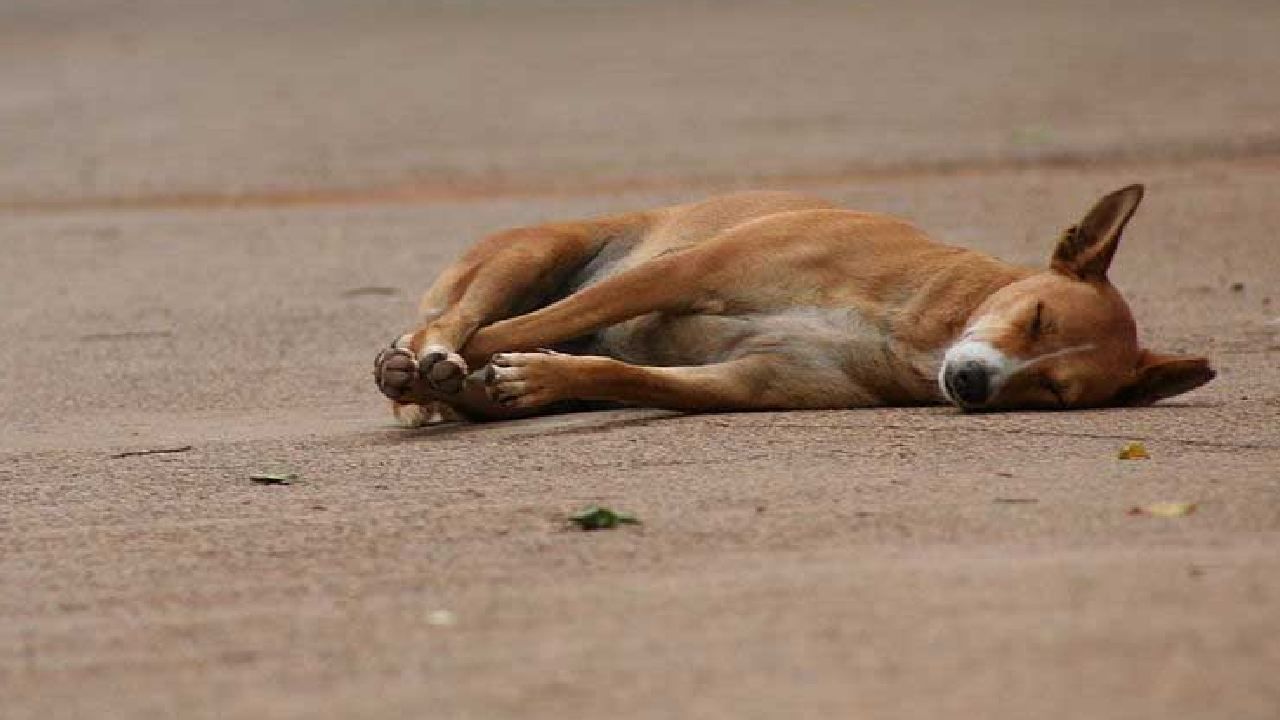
(212, 214)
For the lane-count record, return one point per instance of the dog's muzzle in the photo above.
(968, 383)
(972, 373)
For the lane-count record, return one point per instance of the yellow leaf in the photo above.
(1134, 451)
(1164, 509)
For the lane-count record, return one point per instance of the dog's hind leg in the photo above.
(504, 274)
(507, 273)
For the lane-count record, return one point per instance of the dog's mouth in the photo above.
(948, 392)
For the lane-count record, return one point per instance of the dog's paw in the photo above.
(395, 370)
(415, 416)
(526, 380)
(443, 369)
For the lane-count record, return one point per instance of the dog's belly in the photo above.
(672, 340)
(842, 345)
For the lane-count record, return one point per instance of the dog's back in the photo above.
(670, 229)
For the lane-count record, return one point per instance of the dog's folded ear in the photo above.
(1086, 249)
(1161, 376)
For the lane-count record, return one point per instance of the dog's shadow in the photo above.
(577, 421)
(553, 424)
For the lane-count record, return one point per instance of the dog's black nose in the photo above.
(968, 382)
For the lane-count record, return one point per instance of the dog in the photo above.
(774, 301)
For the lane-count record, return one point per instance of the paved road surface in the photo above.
(211, 214)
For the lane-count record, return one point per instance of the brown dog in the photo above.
(771, 300)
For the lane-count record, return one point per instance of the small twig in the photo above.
(158, 451)
(127, 335)
(274, 478)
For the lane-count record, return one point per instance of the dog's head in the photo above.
(1064, 338)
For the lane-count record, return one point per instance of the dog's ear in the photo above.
(1159, 376)
(1086, 249)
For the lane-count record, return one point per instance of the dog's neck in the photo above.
(929, 303)
(941, 305)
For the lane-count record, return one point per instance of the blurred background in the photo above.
(166, 98)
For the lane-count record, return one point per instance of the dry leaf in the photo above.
(1164, 509)
(1134, 451)
(442, 618)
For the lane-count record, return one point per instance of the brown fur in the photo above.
(768, 300)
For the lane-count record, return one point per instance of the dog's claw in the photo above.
(522, 380)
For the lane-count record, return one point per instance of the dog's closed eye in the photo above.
(1036, 329)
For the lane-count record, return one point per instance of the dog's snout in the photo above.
(969, 382)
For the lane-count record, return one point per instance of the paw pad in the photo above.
(443, 370)
(394, 370)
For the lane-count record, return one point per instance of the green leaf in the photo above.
(601, 518)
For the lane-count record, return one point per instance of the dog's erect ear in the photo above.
(1160, 376)
(1085, 250)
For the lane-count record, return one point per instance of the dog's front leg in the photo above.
(753, 382)
(420, 404)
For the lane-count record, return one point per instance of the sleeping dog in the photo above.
(774, 300)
